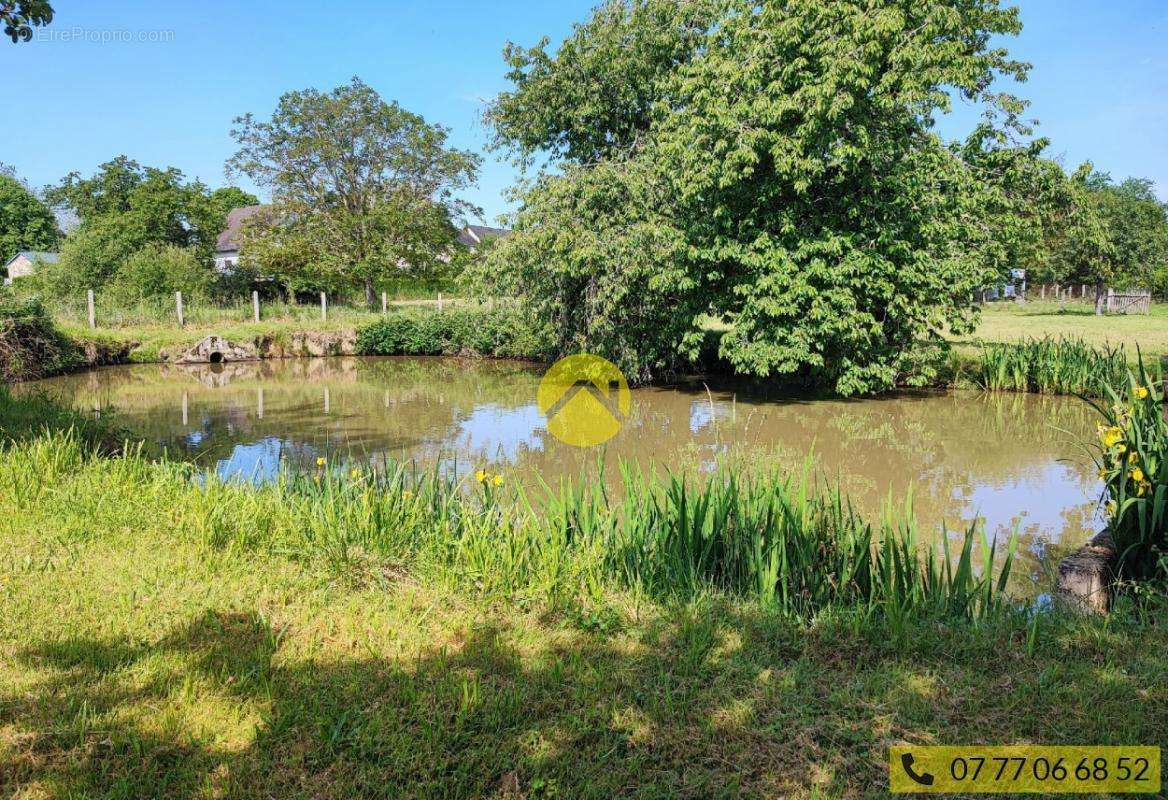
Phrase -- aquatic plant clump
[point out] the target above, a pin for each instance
(1054, 366)
(1132, 455)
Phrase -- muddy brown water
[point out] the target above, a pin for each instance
(1008, 460)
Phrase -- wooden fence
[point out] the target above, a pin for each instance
(1129, 302)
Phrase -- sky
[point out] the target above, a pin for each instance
(161, 82)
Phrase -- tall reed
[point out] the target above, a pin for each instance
(1053, 366)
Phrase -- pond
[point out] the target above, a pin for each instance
(1012, 460)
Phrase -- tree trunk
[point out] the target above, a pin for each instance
(1099, 296)
(370, 295)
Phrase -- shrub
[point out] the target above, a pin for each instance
(30, 345)
(158, 271)
(1132, 455)
(501, 333)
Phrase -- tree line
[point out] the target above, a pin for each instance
(363, 192)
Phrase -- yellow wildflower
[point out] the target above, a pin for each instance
(1142, 489)
(356, 473)
(1137, 475)
(480, 475)
(321, 461)
(1141, 392)
(1110, 508)
(1132, 457)
(1111, 436)
(497, 480)
(407, 494)
(1102, 474)
(1121, 448)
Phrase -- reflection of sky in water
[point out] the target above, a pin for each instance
(702, 414)
(1037, 497)
(500, 434)
(259, 461)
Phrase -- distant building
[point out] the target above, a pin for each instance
(227, 245)
(474, 235)
(25, 263)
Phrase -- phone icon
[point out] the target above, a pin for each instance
(906, 761)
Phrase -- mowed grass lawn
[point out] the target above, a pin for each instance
(141, 659)
(1009, 322)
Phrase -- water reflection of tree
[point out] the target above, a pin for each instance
(375, 406)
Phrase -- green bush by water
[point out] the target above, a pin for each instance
(504, 332)
(30, 344)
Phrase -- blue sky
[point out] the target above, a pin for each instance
(1099, 84)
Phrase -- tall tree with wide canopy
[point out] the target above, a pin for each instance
(770, 165)
(371, 185)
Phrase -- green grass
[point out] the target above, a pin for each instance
(1009, 322)
(389, 637)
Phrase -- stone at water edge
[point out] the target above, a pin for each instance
(1085, 576)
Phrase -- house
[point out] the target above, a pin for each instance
(474, 235)
(227, 245)
(25, 263)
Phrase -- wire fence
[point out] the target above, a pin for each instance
(97, 311)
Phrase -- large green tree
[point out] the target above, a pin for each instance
(25, 222)
(373, 187)
(772, 166)
(123, 208)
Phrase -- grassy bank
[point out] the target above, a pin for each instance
(341, 635)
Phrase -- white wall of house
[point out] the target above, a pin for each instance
(226, 260)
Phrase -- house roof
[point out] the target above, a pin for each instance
(36, 255)
(229, 239)
(472, 235)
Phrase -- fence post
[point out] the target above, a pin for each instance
(440, 301)
(384, 303)
(1110, 299)
(323, 307)
(89, 308)
(255, 305)
(1042, 292)
(178, 305)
